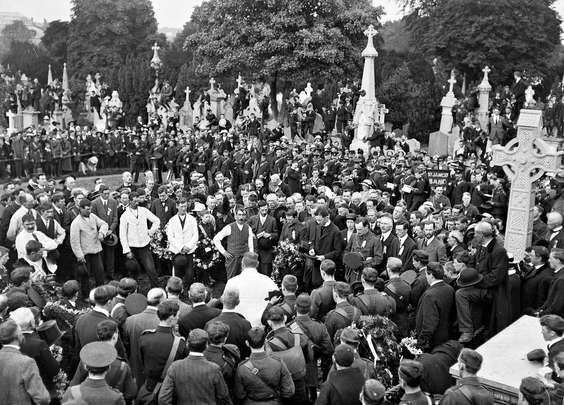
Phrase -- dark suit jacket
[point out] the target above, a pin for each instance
(110, 215)
(85, 328)
(37, 349)
(196, 319)
(163, 211)
(405, 253)
(553, 350)
(327, 242)
(238, 329)
(557, 241)
(436, 250)
(534, 287)
(265, 247)
(342, 388)
(194, 380)
(554, 303)
(435, 315)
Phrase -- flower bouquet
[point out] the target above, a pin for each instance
(381, 346)
(206, 256)
(288, 260)
(159, 245)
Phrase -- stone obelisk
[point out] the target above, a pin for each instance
(367, 106)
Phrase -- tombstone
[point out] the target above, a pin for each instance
(30, 117)
(228, 109)
(484, 99)
(505, 363)
(367, 106)
(186, 119)
(414, 145)
(11, 122)
(382, 111)
(524, 160)
(439, 140)
(197, 112)
(214, 98)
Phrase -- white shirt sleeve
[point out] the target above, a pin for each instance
(224, 233)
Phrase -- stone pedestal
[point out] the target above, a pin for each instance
(11, 122)
(58, 116)
(30, 117)
(505, 359)
(438, 143)
(484, 99)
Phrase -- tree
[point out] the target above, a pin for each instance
(16, 31)
(103, 33)
(55, 40)
(282, 41)
(33, 60)
(503, 34)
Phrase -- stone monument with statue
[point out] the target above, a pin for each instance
(442, 142)
(366, 114)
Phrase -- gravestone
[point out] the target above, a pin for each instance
(524, 160)
(186, 114)
(439, 140)
(30, 117)
(228, 109)
(484, 99)
(505, 359)
(366, 113)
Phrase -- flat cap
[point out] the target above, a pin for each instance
(98, 354)
(344, 355)
(373, 390)
(350, 335)
(410, 369)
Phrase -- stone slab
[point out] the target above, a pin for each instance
(438, 143)
(505, 361)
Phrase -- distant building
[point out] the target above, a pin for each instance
(7, 18)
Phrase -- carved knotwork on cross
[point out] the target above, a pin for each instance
(370, 32)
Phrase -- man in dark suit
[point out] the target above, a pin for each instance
(554, 303)
(156, 345)
(469, 210)
(496, 128)
(536, 280)
(194, 380)
(134, 327)
(85, 328)
(518, 91)
(326, 243)
(106, 209)
(555, 234)
(200, 314)
(238, 325)
(552, 327)
(163, 207)
(390, 242)
(492, 264)
(435, 310)
(36, 348)
(434, 247)
(322, 298)
(266, 231)
(407, 245)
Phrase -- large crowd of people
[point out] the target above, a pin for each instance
(239, 265)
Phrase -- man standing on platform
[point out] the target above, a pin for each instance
(106, 209)
(468, 389)
(182, 233)
(239, 241)
(135, 237)
(492, 263)
(554, 303)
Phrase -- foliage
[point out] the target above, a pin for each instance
(288, 260)
(55, 40)
(292, 40)
(411, 100)
(103, 33)
(33, 60)
(503, 34)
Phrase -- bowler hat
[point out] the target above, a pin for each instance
(469, 277)
(49, 331)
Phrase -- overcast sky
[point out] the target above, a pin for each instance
(169, 13)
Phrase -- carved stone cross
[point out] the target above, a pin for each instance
(187, 91)
(212, 82)
(370, 32)
(155, 47)
(486, 70)
(451, 82)
(524, 159)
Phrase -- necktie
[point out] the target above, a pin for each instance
(34, 236)
(105, 204)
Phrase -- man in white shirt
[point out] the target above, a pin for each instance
(253, 289)
(27, 202)
(135, 236)
(182, 233)
(30, 232)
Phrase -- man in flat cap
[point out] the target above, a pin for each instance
(97, 358)
(468, 389)
(410, 373)
(194, 380)
(345, 384)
